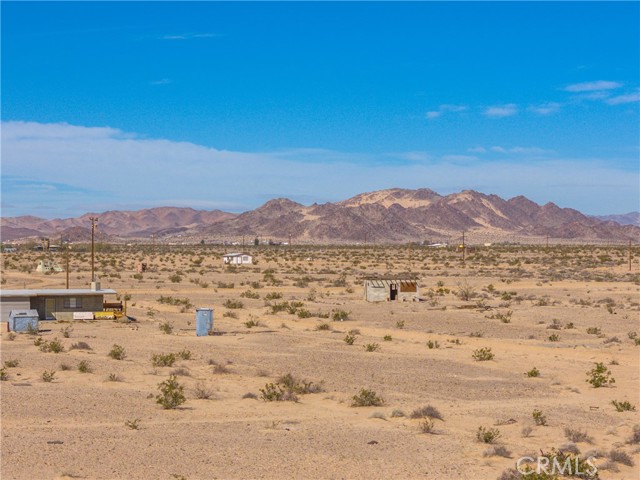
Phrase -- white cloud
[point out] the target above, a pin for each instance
(547, 108)
(477, 149)
(187, 36)
(154, 172)
(446, 108)
(593, 86)
(501, 111)
(620, 99)
(521, 150)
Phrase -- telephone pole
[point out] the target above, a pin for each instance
(67, 262)
(629, 255)
(94, 221)
(464, 248)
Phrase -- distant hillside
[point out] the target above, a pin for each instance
(397, 215)
(141, 223)
(631, 218)
(393, 215)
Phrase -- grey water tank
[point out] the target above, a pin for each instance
(23, 320)
(204, 321)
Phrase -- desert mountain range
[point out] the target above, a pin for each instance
(393, 215)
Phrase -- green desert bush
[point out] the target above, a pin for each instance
(534, 372)
(483, 354)
(488, 435)
(166, 328)
(340, 315)
(600, 376)
(171, 394)
(233, 304)
(117, 352)
(539, 418)
(163, 359)
(54, 346)
(371, 347)
(84, 367)
(624, 406)
(367, 398)
(349, 339)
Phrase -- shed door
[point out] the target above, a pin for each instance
(393, 291)
(49, 308)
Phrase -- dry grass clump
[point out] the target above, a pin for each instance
(577, 436)
(427, 411)
(497, 451)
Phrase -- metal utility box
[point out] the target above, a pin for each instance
(204, 321)
(23, 320)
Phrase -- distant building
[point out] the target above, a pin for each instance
(391, 289)
(237, 259)
(53, 304)
(48, 266)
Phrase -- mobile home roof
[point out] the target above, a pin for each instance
(55, 292)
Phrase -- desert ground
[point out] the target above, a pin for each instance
(493, 364)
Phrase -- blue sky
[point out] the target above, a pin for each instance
(123, 105)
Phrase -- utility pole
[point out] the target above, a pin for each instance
(629, 255)
(464, 248)
(94, 221)
(67, 262)
(547, 242)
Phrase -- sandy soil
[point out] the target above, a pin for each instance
(75, 426)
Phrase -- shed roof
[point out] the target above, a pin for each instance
(401, 276)
(236, 254)
(56, 292)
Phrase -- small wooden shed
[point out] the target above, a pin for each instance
(391, 289)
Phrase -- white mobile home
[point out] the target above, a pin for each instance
(237, 259)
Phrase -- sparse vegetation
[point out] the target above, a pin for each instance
(117, 352)
(483, 354)
(534, 372)
(577, 436)
(488, 435)
(171, 394)
(539, 418)
(600, 376)
(166, 328)
(84, 367)
(53, 346)
(367, 398)
(371, 347)
(163, 359)
(623, 406)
